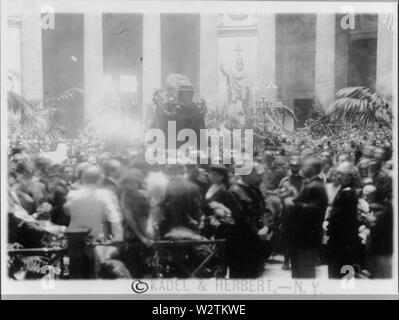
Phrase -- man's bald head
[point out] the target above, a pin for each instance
(345, 167)
(91, 175)
(344, 172)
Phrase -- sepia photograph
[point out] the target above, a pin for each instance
(198, 147)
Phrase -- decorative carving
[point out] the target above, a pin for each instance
(236, 17)
(231, 20)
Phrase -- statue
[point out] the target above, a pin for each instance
(237, 89)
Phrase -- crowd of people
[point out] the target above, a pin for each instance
(313, 202)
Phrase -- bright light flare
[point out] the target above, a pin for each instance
(114, 123)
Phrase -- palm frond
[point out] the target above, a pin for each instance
(67, 94)
(286, 110)
(18, 104)
(361, 105)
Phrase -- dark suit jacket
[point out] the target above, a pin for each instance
(251, 207)
(304, 220)
(343, 223)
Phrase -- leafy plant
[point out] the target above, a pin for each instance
(320, 123)
(282, 109)
(364, 107)
(38, 118)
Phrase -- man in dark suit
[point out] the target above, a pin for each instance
(304, 219)
(342, 227)
(252, 244)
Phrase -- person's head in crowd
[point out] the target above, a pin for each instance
(91, 176)
(375, 167)
(68, 172)
(42, 166)
(324, 140)
(112, 169)
(343, 157)
(218, 175)
(325, 158)
(140, 163)
(280, 162)
(81, 156)
(56, 169)
(379, 154)
(103, 157)
(19, 157)
(16, 150)
(295, 165)
(306, 152)
(24, 174)
(389, 165)
(345, 173)
(368, 151)
(268, 158)
(12, 166)
(54, 180)
(192, 171)
(311, 167)
(255, 178)
(363, 167)
(79, 170)
(369, 192)
(132, 180)
(334, 176)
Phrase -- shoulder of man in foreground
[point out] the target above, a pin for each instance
(239, 192)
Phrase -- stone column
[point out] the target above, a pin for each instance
(325, 59)
(267, 47)
(32, 59)
(151, 60)
(209, 68)
(93, 64)
(384, 54)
